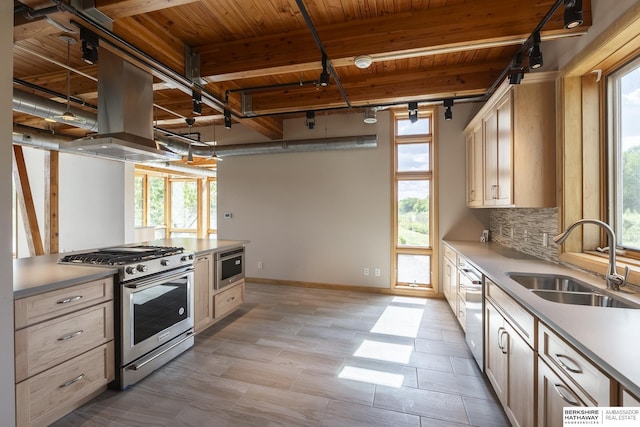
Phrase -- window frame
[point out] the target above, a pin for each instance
(582, 149)
(431, 176)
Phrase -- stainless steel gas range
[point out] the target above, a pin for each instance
(154, 306)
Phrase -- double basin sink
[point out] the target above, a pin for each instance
(568, 290)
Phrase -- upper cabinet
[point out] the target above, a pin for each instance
(511, 149)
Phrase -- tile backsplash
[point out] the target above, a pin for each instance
(526, 230)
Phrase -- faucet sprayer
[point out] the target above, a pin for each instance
(614, 280)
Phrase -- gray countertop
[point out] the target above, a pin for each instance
(35, 275)
(610, 337)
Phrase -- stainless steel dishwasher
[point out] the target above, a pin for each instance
(471, 284)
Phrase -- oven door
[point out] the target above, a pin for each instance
(155, 311)
(229, 267)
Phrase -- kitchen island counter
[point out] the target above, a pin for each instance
(608, 336)
(35, 275)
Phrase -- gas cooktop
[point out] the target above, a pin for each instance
(121, 255)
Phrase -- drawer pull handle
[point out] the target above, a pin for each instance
(73, 335)
(73, 381)
(501, 333)
(70, 299)
(572, 402)
(231, 299)
(566, 362)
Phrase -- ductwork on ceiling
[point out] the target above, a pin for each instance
(125, 123)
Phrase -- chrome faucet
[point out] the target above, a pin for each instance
(614, 280)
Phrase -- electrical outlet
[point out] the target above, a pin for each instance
(512, 232)
(377, 272)
(525, 235)
(259, 265)
(545, 239)
(366, 271)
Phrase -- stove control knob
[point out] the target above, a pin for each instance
(130, 270)
(186, 258)
(141, 268)
(165, 262)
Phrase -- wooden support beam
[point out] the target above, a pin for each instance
(52, 208)
(25, 202)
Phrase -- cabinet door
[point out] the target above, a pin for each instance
(520, 383)
(450, 284)
(490, 186)
(496, 350)
(503, 179)
(474, 168)
(203, 291)
(553, 395)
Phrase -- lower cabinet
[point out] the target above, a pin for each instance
(64, 353)
(509, 365)
(553, 395)
(211, 305)
(203, 289)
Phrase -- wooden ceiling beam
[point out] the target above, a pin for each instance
(386, 88)
(420, 33)
(123, 8)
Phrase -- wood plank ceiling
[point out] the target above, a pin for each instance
(422, 50)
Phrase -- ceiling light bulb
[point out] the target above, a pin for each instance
(363, 61)
(572, 14)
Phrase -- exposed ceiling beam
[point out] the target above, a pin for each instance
(123, 8)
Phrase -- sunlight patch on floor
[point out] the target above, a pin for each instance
(399, 321)
(409, 300)
(371, 376)
(388, 352)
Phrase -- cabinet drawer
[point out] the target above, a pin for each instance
(38, 308)
(627, 399)
(44, 398)
(228, 300)
(450, 253)
(47, 344)
(462, 313)
(572, 365)
(521, 319)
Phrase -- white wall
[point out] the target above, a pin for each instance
(313, 217)
(95, 201)
(7, 393)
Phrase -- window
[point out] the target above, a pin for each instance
(184, 208)
(213, 208)
(624, 125)
(413, 202)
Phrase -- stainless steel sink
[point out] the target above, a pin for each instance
(567, 290)
(550, 282)
(594, 299)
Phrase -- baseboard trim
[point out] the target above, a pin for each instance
(425, 293)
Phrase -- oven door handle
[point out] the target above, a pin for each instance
(137, 366)
(153, 281)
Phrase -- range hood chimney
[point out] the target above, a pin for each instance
(125, 115)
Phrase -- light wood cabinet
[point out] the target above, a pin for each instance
(553, 395)
(510, 365)
(211, 305)
(203, 291)
(474, 167)
(628, 399)
(64, 353)
(518, 133)
(450, 285)
(229, 299)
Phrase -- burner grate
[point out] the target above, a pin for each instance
(122, 255)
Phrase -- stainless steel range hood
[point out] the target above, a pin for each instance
(125, 115)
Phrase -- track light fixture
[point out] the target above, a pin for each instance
(535, 55)
(448, 114)
(196, 97)
(190, 121)
(413, 112)
(370, 115)
(572, 13)
(517, 73)
(324, 76)
(310, 121)
(89, 46)
(227, 119)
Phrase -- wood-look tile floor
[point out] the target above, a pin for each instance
(311, 357)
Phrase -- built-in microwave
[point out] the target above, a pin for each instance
(229, 267)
